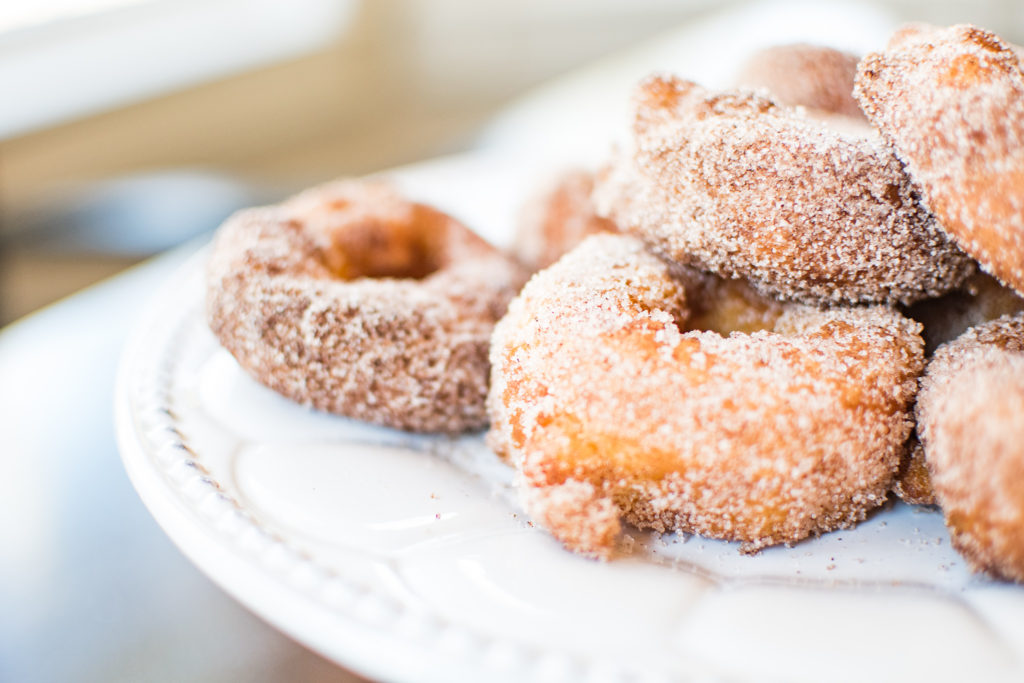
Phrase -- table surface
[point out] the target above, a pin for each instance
(90, 588)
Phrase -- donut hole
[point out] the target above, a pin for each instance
(727, 306)
(408, 246)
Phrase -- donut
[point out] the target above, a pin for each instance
(951, 103)
(558, 220)
(969, 419)
(735, 184)
(610, 410)
(352, 300)
(802, 75)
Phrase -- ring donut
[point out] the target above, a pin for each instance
(969, 418)
(610, 410)
(352, 300)
(951, 102)
(735, 184)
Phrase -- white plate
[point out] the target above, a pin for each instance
(406, 557)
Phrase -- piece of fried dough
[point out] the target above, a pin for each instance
(735, 184)
(913, 482)
(951, 101)
(981, 299)
(609, 409)
(354, 300)
(969, 416)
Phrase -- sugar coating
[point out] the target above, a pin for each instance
(735, 184)
(558, 220)
(354, 301)
(969, 416)
(762, 438)
(654, 292)
(951, 102)
(804, 75)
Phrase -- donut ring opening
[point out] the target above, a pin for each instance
(365, 230)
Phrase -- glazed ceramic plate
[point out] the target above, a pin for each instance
(407, 557)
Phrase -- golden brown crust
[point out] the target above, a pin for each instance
(762, 438)
(354, 301)
(969, 419)
(735, 184)
(803, 75)
(559, 220)
(951, 101)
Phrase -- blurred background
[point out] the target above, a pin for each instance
(131, 125)
(128, 127)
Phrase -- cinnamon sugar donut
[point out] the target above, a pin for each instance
(735, 184)
(801, 75)
(558, 220)
(951, 101)
(969, 418)
(610, 410)
(352, 300)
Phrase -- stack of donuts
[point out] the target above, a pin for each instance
(791, 260)
(778, 305)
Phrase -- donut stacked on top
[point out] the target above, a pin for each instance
(741, 186)
(743, 360)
